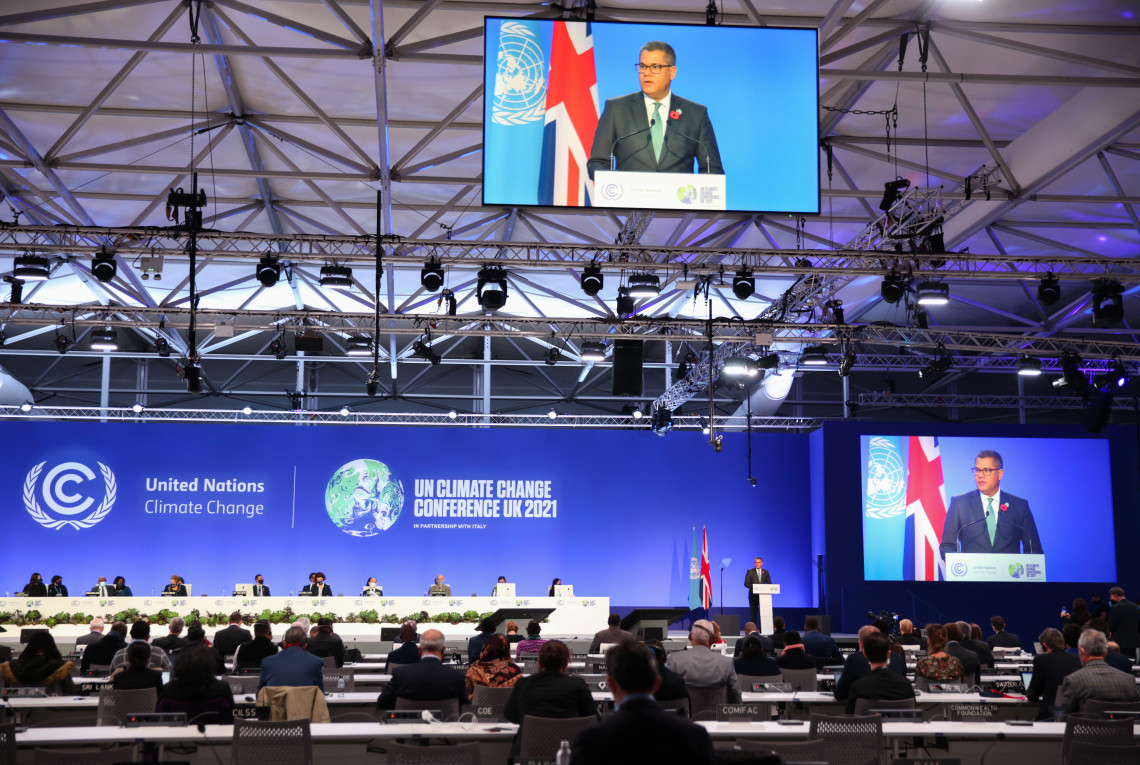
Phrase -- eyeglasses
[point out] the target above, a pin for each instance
(655, 68)
(984, 471)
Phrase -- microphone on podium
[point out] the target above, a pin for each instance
(613, 148)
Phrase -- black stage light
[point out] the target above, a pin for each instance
(1049, 290)
(935, 369)
(592, 280)
(770, 361)
(1117, 377)
(644, 285)
(892, 191)
(1072, 377)
(17, 295)
(933, 293)
(740, 366)
(278, 349)
(104, 266)
(1108, 303)
(424, 351)
(269, 270)
(104, 339)
(192, 374)
(162, 346)
(371, 384)
(743, 283)
(336, 276)
(893, 288)
(662, 420)
(593, 351)
(491, 288)
(358, 345)
(814, 355)
(625, 303)
(31, 268)
(62, 344)
(1029, 367)
(552, 356)
(846, 362)
(431, 275)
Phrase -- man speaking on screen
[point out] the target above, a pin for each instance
(655, 131)
(989, 520)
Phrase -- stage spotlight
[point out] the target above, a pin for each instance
(743, 283)
(358, 345)
(1117, 377)
(31, 268)
(344, 411)
(1029, 367)
(452, 414)
(424, 351)
(846, 362)
(836, 308)
(431, 275)
(278, 349)
(3, 338)
(893, 288)
(921, 318)
(935, 369)
(933, 293)
(491, 289)
(371, 384)
(592, 279)
(247, 410)
(62, 344)
(662, 420)
(552, 415)
(625, 303)
(103, 265)
(644, 285)
(1108, 302)
(1096, 408)
(1049, 290)
(740, 366)
(104, 340)
(892, 191)
(26, 406)
(137, 408)
(162, 346)
(269, 271)
(192, 374)
(552, 356)
(685, 365)
(592, 351)
(631, 410)
(814, 355)
(296, 400)
(1072, 377)
(769, 361)
(336, 276)
(17, 294)
(704, 422)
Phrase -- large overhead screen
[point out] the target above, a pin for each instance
(744, 101)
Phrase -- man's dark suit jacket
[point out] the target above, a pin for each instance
(1118, 661)
(226, 641)
(170, 643)
(1049, 671)
(260, 591)
(640, 731)
(407, 653)
(750, 579)
(549, 694)
(909, 639)
(89, 638)
(1122, 623)
(608, 635)
(765, 641)
(1003, 639)
(426, 680)
(857, 667)
(796, 659)
(102, 651)
(969, 659)
(756, 666)
(1015, 526)
(329, 644)
(672, 685)
(983, 650)
(679, 154)
(254, 652)
(292, 667)
(821, 646)
(880, 685)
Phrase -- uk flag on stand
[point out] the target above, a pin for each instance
(925, 512)
(571, 117)
(706, 571)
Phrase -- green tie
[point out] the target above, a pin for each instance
(991, 518)
(657, 131)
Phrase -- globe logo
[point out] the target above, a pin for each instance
(886, 480)
(520, 79)
(1016, 570)
(686, 195)
(363, 498)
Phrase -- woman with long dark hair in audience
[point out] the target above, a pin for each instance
(938, 665)
(40, 664)
(137, 674)
(195, 690)
(754, 660)
(494, 667)
(1079, 615)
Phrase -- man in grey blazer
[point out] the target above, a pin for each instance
(1096, 680)
(703, 668)
(655, 130)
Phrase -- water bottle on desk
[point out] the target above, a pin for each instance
(563, 756)
(340, 688)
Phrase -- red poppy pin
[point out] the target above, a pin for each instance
(675, 114)
(1003, 507)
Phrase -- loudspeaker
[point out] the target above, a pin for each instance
(627, 360)
(729, 623)
(824, 623)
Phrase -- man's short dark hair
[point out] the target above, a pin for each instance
(1071, 633)
(997, 622)
(632, 666)
(140, 630)
(989, 454)
(553, 656)
(296, 636)
(120, 627)
(235, 617)
(325, 625)
(1118, 591)
(811, 623)
(664, 47)
(1052, 638)
(614, 620)
(1099, 623)
(953, 631)
(778, 624)
(791, 637)
(876, 647)
(138, 655)
(261, 629)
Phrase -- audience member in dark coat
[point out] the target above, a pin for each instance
(906, 633)
(426, 680)
(102, 651)
(409, 650)
(226, 641)
(765, 641)
(193, 689)
(475, 644)
(971, 664)
(673, 686)
(1001, 638)
(639, 730)
(856, 666)
(1049, 671)
(138, 674)
(1124, 622)
(327, 643)
(251, 654)
(794, 656)
(753, 660)
(816, 643)
(980, 648)
(550, 692)
(173, 641)
(294, 666)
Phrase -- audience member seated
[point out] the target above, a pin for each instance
(35, 588)
(1001, 638)
(513, 635)
(777, 635)
(1071, 633)
(137, 674)
(672, 686)
(938, 665)
(881, 684)
(639, 730)
(753, 659)
(794, 656)
(140, 633)
(426, 680)
(816, 644)
(327, 643)
(856, 666)
(979, 647)
(1050, 668)
(494, 667)
(533, 642)
(475, 645)
(40, 663)
(409, 650)
(195, 690)
(196, 635)
(703, 668)
(251, 654)
(227, 640)
(906, 633)
(1078, 615)
(1114, 658)
(174, 641)
(121, 590)
(95, 634)
(611, 634)
(103, 650)
(1095, 680)
(293, 666)
(971, 665)
(550, 692)
(750, 628)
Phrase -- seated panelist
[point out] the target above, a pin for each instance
(176, 588)
(372, 589)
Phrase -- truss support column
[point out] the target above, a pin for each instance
(142, 381)
(1021, 396)
(485, 382)
(105, 387)
(846, 396)
(300, 386)
(668, 364)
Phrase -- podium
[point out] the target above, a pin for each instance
(994, 567)
(765, 591)
(668, 191)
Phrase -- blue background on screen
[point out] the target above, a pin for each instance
(627, 502)
(759, 85)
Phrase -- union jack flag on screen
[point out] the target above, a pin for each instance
(925, 512)
(571, 117)
(706, 571)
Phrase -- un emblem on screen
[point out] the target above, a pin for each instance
(363, 498)
(520, 79)
(886, 480)
(69, 490)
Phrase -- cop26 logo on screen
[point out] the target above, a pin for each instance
(70, 491)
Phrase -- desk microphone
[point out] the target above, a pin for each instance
(613, 149)
(958, 538)
(1028, 541)
(708, 161)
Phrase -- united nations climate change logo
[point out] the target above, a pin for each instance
(959, 568)
(69, 489)
(520, 81)
(686, 195)
(363, 498)
(1016, 570)
(886, 480)
(611, 191)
